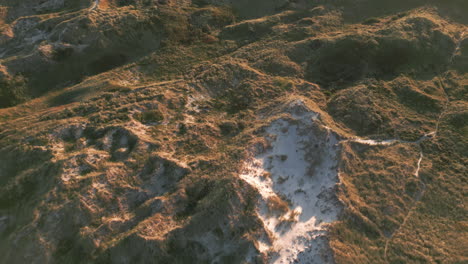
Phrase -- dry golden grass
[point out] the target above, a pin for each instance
(229, 77)
(277, 205)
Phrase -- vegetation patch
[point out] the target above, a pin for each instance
(149, 117)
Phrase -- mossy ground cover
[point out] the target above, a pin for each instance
(186, 113)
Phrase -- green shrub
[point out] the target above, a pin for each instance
(12, 91)
(370, 21)
(151, 116)
(284, 83)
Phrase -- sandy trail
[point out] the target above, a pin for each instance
(301, 168)
(430, 135)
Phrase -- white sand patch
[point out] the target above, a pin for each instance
(300, 168)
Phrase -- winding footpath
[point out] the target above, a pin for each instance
(429, 136)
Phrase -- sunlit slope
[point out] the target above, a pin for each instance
(178, 132)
